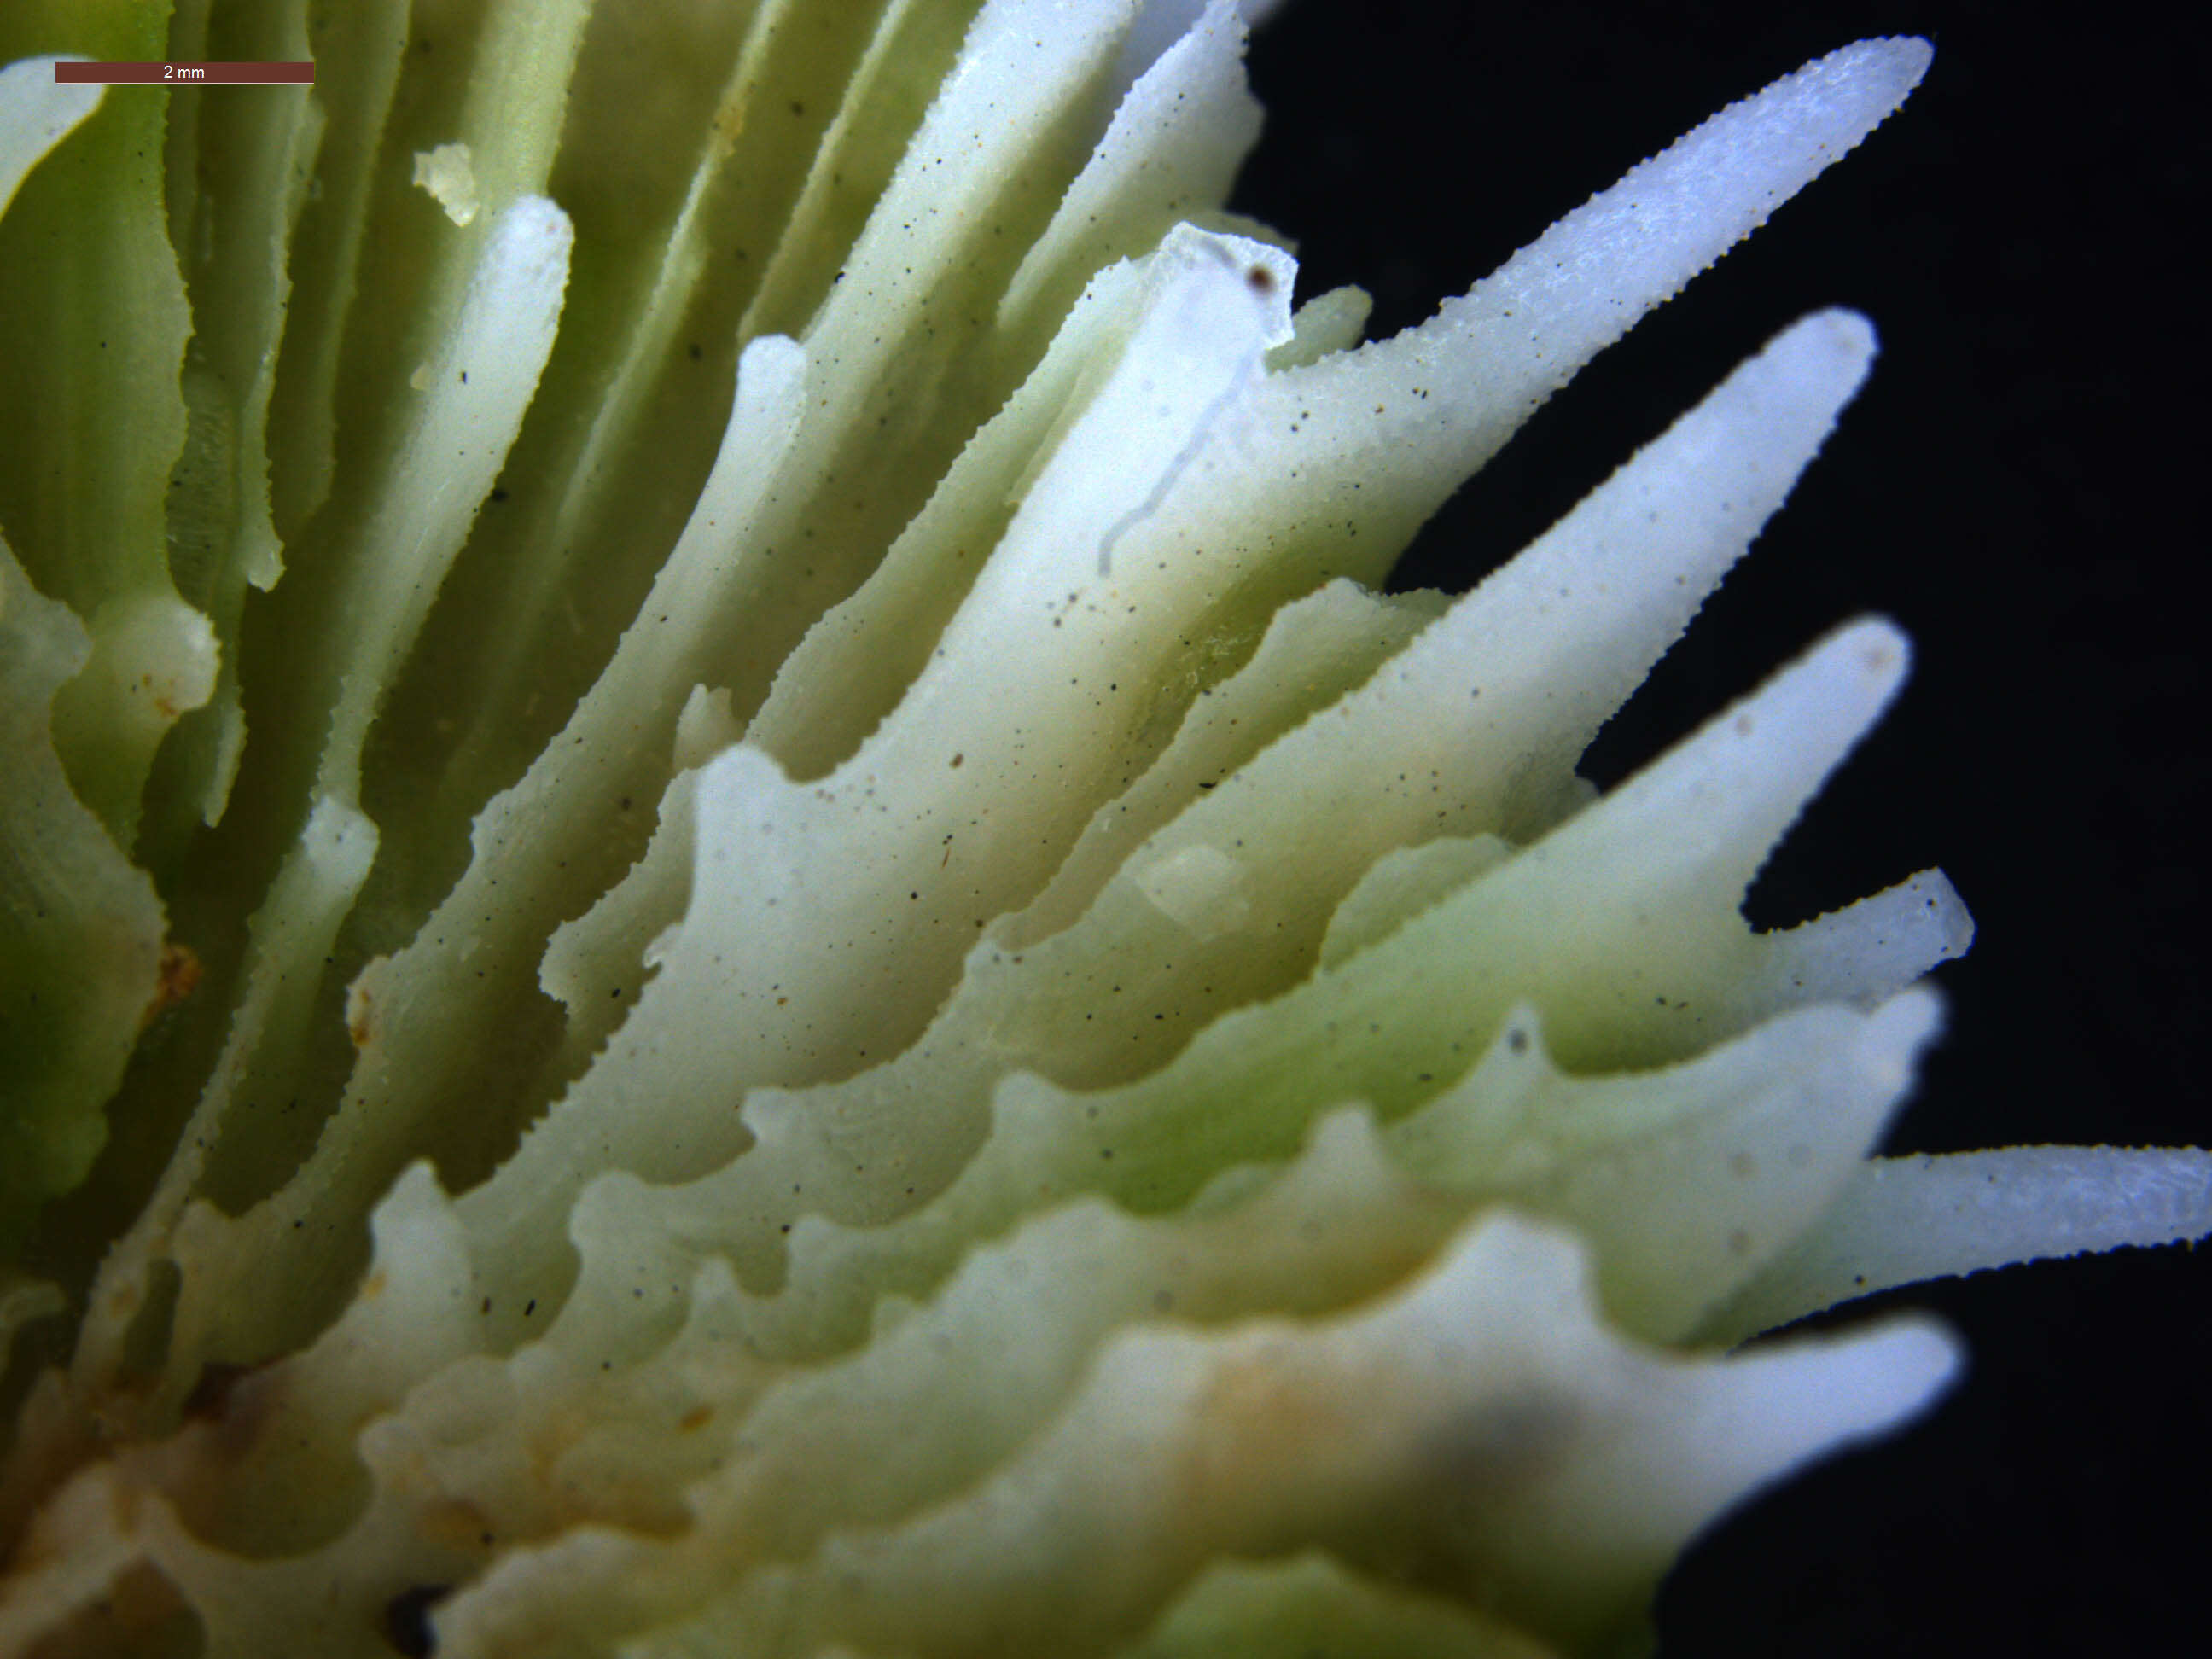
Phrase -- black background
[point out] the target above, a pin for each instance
(2018, 488)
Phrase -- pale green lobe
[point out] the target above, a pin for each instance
(1229, 900)
(446, 989)
(1482, 1390)
(266, 1059)
(472, 394)
(368, 36)
(79, 929)
(239, 174)
(1901, 1220)
(472, 400)
(92, 336)
(37, 110)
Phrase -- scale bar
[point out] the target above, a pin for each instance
(187, 74)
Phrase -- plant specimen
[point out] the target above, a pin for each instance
(734, 924)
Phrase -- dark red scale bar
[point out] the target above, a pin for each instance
(188, 75)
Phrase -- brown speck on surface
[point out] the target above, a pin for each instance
(176, 978)
(360, 1008)
(456, 1524)
(237, 1404)
(1257, 1412)
(210, 1396)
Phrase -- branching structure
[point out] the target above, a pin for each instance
(731, 924)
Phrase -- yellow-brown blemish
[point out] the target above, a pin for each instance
(176, 976)
(456, 1524)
